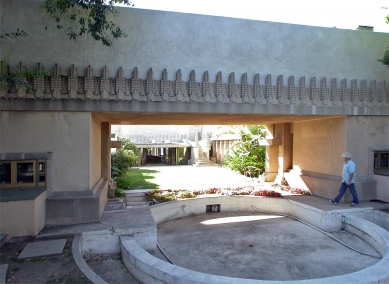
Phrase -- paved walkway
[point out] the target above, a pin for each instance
(260, 248)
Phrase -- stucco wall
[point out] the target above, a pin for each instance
(95, 151)
(188, 42)
(65, 134)
(319, 144)
(365, 135)
(23, 218)
(364, 132)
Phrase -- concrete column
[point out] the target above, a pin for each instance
(217, 151)
(176, 156)
(106, 150)
(280, 155)
(139, 157)
(271, 155)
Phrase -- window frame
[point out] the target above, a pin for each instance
(377, 169)
(36, 173)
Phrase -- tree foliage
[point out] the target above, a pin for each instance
(81, 17)
(246, 156)
(125, 158)
(385, 59)
(20, 78)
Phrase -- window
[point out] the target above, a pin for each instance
(381, 162)
(25, 173)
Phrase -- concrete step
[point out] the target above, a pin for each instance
(137, 206)
(135, 194)
(135, 198)
(137, 203)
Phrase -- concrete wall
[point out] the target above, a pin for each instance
(318, 146)
(64, 134)
(364, 132)
(95, 151)
(23, 218)
(188, 42)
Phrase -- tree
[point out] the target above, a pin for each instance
(385, 59)
(125, 158)
(86, 17)
(246, 156)
(18, 79)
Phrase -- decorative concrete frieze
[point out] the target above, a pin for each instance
(355, 93)
(194, 88)
(314, 92)
(335, 94)
(364, 93)
(207, 89)
(234, 90)
(73, 82)
(90, 87)
(281, 90)
(292, 91)
(39, 82)
(246, 90)
(21, 88)
(324, 96)
(137, 87)
(89, 84)
(152, 88)
(259, 95)
(221, 89)
(120, 85)
(180, 88)
(304, 94)
(55, 83)
(344, 93)
(104, 84)
(373, 94)
(166, 88)
(270, 91)
(383, 94)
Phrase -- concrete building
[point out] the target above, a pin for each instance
(320, 92)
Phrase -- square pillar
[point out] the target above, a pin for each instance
(106, 150)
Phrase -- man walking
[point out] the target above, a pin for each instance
(348, 179)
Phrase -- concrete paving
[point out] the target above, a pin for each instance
(42, 248)
(260, 246)
(248, 245)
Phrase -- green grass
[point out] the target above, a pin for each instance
(137, 179)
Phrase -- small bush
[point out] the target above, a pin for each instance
(122, 160)
(119, 192)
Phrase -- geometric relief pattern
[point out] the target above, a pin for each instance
(68, 84)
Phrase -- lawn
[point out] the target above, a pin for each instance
(137, 178)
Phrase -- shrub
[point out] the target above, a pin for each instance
(122, 160)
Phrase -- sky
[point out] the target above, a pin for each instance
(342, 14)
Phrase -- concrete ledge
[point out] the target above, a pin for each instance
(3, 273)
(77, 209)
(77, 255)
(149, 269)
(381, 218)
(325, 220)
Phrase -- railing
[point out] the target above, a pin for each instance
(57, 86)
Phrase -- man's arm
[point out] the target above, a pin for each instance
(350, 178)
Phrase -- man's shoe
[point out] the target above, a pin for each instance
(354, 204)
(333, 202)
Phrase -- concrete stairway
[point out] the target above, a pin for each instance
(136, 200)
(115, 204)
